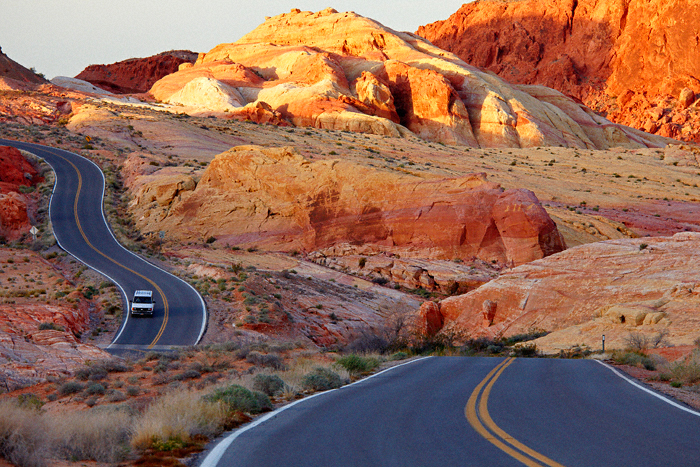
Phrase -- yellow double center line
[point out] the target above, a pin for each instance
(477, 414)
(80, 228)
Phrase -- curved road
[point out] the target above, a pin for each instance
(80, 228)
(456, 411)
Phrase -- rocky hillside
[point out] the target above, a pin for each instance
(16, 74)
(136, 75)
(346, 72)
(633, 60)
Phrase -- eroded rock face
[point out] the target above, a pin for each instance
(346, 72)
(613, 288)
(30, 355)
(594, 50)
(273, 198)
(136, 75)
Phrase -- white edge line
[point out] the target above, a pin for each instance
(215, 455)
(647, 390)
(204, 309)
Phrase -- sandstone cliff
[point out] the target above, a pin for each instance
(635, 51)
(346, 72)
(135, 75)
(276, 199)
(613, 288)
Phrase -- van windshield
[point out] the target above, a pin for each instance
(142, 300)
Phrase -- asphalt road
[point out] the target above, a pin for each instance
(80, 228)
(453, 411)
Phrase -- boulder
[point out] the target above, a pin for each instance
(686, 98)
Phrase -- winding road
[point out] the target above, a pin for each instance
(457, 411)
(77, 217)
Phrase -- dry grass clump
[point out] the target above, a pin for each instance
(23, 435)
(178, 417)
(683, 373)
(100, 434)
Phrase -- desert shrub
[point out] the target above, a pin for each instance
(528, 336)
(686, 372)
(322, 379)
(526, 350)
(637, 342)
(50, 326)
(97, 374)
(96, 388)
(239, 399)
(633, 359)
(29, 401)
(113, 366)
(116, 396)
(23, 440)
(70, 387)
(265, 360)
(133, 391)
(187, 374)
(369, 341)
(357, 365)
(398, 356)
(268, 384)
(179, 415)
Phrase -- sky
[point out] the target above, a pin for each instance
(62, 37)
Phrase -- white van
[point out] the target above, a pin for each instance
(143, 303)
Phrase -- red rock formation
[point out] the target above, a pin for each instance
(136, 75)
(588, 49)
(14, 71)
(276, 199)
(15, 171)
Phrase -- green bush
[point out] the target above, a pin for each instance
(239, 399)
(268, 384)
(357, 365)
(321, 379)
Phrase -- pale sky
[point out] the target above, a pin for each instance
(61, 37)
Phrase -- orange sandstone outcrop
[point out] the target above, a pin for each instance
(346, 72)
(273, 198)
(594, 50)
(136, 75)
(615, 287)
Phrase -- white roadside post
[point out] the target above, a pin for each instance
(34, 231)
